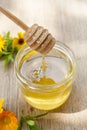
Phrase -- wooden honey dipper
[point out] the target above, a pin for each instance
(36, 36)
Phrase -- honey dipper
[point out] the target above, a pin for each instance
(36, 36)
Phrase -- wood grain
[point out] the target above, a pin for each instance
(67, 21)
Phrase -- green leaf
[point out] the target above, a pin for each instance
(7, 60)
(5, 53)
(20, 125)
(15, 49)
(8, 42)
(7, 34)
(30, 122)
(34, 128)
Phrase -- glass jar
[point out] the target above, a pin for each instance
(59, 73)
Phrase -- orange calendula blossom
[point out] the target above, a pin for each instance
(8, 121)
(19, 41)
(2, 43)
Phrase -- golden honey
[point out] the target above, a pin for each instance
(45, 81)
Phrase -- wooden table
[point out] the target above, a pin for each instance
(67, 21)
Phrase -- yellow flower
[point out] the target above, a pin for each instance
(1, 104)
(19, 41)
(2, 43)
(8, 121)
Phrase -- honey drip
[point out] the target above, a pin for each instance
(44, 80)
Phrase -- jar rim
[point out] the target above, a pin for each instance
(60, 46)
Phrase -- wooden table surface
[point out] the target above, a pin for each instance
(67, 21)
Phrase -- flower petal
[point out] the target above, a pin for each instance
(1, 104)
(2, 42)
(20, 35)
